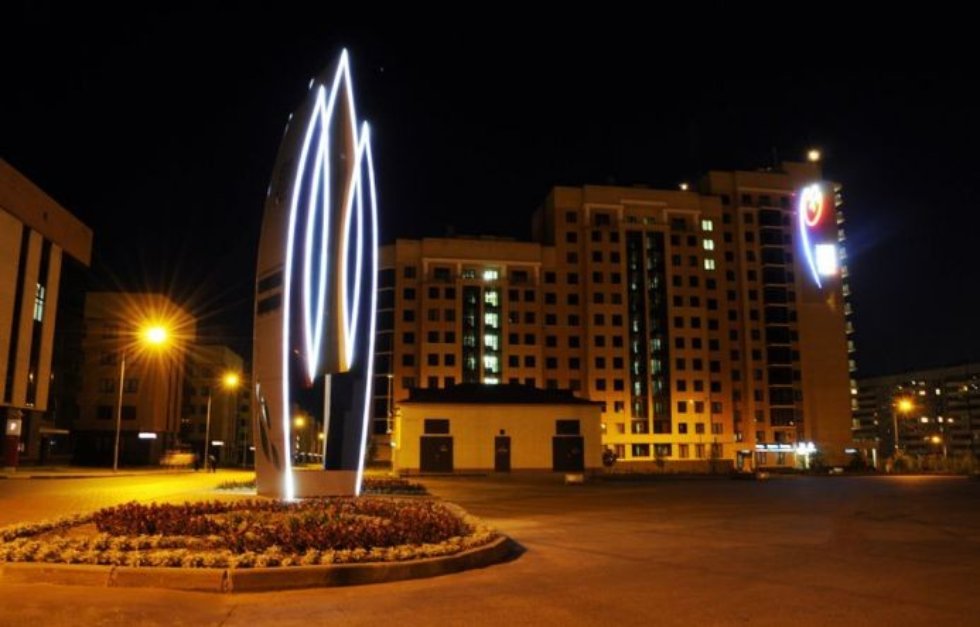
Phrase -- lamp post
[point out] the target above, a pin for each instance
(904, 405)
(391, 384)
(229, 381)
(154, 336)
(299, 423)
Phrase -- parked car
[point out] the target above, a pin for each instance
(177, 458)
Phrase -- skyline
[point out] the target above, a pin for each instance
(473, 140)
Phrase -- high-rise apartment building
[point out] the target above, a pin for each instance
(711, 324)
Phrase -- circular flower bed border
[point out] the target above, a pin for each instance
(193, 562)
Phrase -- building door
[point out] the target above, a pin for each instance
(568, 453)
(436, 454)
(501, 453)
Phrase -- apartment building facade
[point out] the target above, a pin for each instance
(711, 325)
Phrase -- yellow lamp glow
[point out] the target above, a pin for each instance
(156, 335)
(231, 380)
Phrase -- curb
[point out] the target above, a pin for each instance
(26, 477)
(230, 580)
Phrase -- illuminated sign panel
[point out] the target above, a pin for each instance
(818, 232)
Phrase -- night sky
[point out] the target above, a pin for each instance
(159, 130)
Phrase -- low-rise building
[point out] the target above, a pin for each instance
(483, 428)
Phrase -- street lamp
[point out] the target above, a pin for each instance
(229, 381)
(154, 336)
(299, 421)
(905, 406)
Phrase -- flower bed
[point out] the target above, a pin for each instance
(251, 533)
(371, 485)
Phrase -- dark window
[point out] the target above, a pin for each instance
(273, 281)
(436, 426)
(567, 427)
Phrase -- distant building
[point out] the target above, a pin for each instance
(42, 248)
(207, 367)
(116, 324)
(935, 411)
(709, 324)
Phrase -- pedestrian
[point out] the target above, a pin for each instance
(212, 463)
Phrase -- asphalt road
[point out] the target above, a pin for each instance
(790, 551)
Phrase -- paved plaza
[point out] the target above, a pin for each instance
(789, 551)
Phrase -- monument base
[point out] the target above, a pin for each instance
(310, 483)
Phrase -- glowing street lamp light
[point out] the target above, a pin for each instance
(155, 336)
(813, 155)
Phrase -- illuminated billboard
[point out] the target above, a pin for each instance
(818, 231)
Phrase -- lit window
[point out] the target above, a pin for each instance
(709, 244)
(39, 303)
(707, 225)
(490, 274)
(709, 264)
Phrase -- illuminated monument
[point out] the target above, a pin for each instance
(315, 296)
